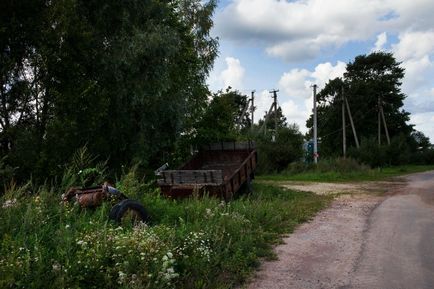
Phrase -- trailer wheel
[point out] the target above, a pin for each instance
(228, 196)
(114, 212)
(246, 188)
(129, 211)
(249, 186)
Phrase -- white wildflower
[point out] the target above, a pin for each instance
(56, 267)
(9, 203)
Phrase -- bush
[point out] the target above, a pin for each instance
(341, 165)
(338, 165)
(276, 156)
(397, 153)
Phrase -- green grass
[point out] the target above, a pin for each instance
(350, 176)
(192, 243)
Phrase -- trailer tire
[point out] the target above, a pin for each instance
(129, 208)
(246, 188)
(114, 212)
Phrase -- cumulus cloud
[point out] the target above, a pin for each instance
(297, 85)
(381, 41)
(326, 71)
(298, 82)
(295, 111)
(263, 102)
(414, 45)
(415, 50)
(233, 74)
(301, 29)
(423, 122)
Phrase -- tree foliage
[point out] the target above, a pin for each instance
(368, 80)
(124, 78)
(276, 153)
(223, 119)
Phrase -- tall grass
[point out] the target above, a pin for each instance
(191, 243)
(342, 170)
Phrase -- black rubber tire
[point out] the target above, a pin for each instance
(246, 188)
(120, 209)
(114, 212)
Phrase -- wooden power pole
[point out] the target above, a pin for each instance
(356, 139)
(315, 127)
(252, 108)
(353, 128)
(273, 107)
(382, 118)
(344, 130)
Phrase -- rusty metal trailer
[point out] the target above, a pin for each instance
(220, 169)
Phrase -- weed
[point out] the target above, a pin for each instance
(192, 243)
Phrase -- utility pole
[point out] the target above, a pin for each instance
(381, 117)
(344, 131)
(252, 108)
(274, 92)
(379, 122)
(315, 128)
(274, 107)
(385, 125)
(356, 139)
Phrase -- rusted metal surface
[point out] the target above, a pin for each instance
(92, 196)
(218, 170)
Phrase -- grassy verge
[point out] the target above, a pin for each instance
(349, 176)
(193, 243)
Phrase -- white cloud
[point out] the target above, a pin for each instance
(297, 85)
(296, 82)
(296, 113)
(416, 73)
(294, 51)
(301, 29)
(415, 50)
(263, 102)
(326, 71)
(233, 74)
(423, 123)
(381, 41)
(297, 30)
(414, 45)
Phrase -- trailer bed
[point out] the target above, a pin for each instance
(219, 169)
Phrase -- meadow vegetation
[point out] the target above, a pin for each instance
(341, 170)
(191, 243)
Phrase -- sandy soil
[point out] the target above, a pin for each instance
(312, 256)
(357, 242)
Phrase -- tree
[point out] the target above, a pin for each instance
(123, 78)
(421, 141)
(221, 120)
(270, 119)
(368, 80)
(275, 154)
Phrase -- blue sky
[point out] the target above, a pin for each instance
(289, 45)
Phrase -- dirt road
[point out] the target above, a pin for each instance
(363, 240)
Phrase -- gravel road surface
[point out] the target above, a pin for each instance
(363, 240)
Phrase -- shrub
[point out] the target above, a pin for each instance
(276, 156)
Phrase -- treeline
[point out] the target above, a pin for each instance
(126, 79)
(372, 87)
